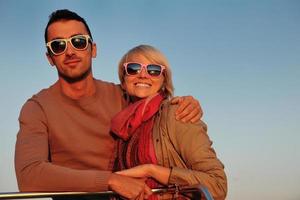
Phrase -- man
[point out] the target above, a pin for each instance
(63, 143)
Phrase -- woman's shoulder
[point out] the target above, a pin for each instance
(168, 115)
(167, 107)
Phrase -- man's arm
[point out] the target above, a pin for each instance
(36, 172)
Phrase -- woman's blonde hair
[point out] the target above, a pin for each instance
(154, 56)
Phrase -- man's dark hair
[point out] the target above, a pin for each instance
(65, 14)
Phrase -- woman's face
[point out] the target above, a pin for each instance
(142, 85)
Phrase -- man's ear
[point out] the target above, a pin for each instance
(94, 50)
(49, 59)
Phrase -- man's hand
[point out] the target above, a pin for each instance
(130, 188)
(189, 109)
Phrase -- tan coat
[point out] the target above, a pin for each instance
(186, 148)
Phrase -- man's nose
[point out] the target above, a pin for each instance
(69, 49)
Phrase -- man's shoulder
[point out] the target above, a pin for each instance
(45, 93)
(35, 103)
(44, 97)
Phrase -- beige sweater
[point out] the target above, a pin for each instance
(64, 144)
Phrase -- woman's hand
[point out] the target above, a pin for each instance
(159, 173)
(141, 171)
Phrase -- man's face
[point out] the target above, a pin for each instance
(73, 64)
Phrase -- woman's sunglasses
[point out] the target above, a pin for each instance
(78, 42)
(133, 68)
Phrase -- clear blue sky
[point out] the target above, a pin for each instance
(241, 59)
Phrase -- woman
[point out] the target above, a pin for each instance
(151, 143)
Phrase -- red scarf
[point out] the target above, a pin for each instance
(133, 126)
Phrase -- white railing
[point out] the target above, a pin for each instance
(192, 192)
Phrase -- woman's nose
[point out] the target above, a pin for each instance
(143, 72)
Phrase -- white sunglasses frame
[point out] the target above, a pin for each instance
(69, 40)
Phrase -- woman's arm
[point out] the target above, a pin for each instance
(159, 173)
(194, 146)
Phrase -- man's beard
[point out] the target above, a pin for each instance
(76, 78)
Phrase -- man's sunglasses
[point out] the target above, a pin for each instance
(78, 42)
(133, 68)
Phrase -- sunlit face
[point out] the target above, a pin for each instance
(72, 64)
(142, 85)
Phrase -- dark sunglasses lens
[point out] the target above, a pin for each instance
(154, 70)
(79, 42)
(58, 46)
(133, 68)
